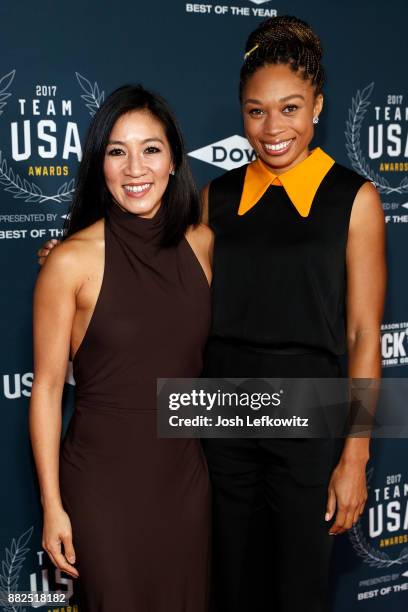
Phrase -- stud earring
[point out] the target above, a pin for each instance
(315, 120)
(172, 172)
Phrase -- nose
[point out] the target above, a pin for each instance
(135, 166)
(274, 123)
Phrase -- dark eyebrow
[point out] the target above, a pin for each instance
(291, 96)
(252, 101)
(285, 99)
(152, 140)
(119, 142)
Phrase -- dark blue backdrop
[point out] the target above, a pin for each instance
(57, 62)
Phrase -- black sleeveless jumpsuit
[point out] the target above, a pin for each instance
(139, 505)
(278, 300)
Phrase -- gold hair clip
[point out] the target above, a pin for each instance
(248, 53)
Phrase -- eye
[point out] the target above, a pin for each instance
(290, 108)
(115, 152)
(255, 112)
(152, 149)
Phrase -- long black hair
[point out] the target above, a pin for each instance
(181, 203)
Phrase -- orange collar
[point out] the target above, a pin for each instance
(300, 182)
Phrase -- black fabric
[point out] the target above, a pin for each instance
(269, 498)
(279, 278)
(269, 532)
(278, 300)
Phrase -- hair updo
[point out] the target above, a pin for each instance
(284, 40)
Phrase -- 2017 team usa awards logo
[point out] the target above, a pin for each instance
(41, 146)
(380, 537)
(386, 138)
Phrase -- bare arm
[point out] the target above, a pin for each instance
(204, 204)
(366, 267)
(54, 310)
(366, 281)
(201, 240)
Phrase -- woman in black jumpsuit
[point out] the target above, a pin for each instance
(291, 261)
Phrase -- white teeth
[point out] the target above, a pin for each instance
(279, 146)
(137, 188)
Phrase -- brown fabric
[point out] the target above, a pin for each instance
(139, 505)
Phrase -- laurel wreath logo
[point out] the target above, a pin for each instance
(11, 567)
(26, 190)
(93, 97)
(5, 83)
(371, 555)
(359, 106)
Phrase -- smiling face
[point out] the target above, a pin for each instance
(137, 163)
(278, 108)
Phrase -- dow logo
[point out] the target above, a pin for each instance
(228, 154)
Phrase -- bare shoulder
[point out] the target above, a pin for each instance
(201, 231)
(80, 243)
(367, 208)
(201, 240)
(91, 234)
(201, 235)
(73, 256)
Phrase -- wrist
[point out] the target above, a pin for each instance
(356, 451)
(51, 504)
(357, 462)
(360, 458)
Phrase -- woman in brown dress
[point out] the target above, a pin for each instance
(127, 295)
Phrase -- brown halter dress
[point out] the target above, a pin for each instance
(138, 504)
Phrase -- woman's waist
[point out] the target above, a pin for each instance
(236, 359)
(267, 348)
(129, 400)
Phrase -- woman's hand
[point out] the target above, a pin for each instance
(57, 529)
(348, 494)
(46, 249)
